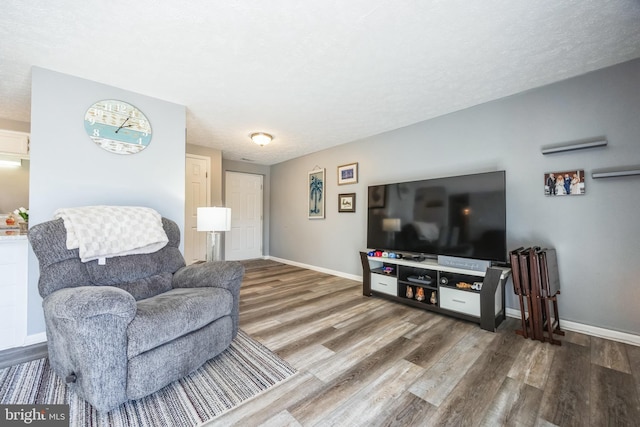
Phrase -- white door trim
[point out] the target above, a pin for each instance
(246, 238)
(187, 232)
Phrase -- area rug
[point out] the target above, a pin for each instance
(242, 371)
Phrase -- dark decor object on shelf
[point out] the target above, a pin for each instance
(434, 298)
(409, 293)
(422, 279)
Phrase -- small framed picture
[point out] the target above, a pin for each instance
(564, 183)
(348, 174)
(347, 202)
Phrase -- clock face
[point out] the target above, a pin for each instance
(117, 126)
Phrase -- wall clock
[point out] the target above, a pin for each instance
(117, 126)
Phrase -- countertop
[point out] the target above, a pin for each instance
(11, 234)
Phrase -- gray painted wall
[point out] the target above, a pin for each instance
(596, 235)
(68, 169)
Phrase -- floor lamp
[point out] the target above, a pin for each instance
(214, 220)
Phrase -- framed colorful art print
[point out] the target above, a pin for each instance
(348, 174)
(316, 196)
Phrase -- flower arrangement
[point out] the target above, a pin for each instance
(23, 213)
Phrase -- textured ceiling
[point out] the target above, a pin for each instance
(314, 74)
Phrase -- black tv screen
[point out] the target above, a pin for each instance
(462, 216)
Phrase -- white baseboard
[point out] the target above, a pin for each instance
(319, 269)
(594, 331)
(511, 312)
(35, 339)
(568, 325)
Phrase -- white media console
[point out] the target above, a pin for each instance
(390, 277)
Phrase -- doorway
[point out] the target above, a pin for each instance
(243, 194)
(197, 194)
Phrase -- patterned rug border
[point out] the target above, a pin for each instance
(242, 372)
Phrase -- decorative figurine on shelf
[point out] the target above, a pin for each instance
(409, 292)
(433, 300)
(463, 285)
(420, 294)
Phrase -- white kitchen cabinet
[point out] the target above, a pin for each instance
(14, 143)
(13, 291)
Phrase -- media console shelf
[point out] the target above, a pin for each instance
(390, 277)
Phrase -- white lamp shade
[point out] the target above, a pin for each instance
(214, 219)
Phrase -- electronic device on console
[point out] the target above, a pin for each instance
(421, 279)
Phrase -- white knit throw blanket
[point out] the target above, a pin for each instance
(101, 232)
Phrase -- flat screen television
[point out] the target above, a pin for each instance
(462, 216)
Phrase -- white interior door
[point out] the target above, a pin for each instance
(197, 194)
(243, 194)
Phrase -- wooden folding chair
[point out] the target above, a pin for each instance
(535, 291)
(517, 289)
(550, 289)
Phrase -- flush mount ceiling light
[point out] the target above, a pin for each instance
(261, 138)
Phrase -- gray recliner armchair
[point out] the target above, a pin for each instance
(123, 330)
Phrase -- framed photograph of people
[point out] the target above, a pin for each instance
(348, 174)
(316, 187)
(347, 202)
(564, 183)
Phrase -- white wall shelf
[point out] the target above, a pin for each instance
(575, 145)
(616, 172)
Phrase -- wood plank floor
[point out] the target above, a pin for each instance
(371, 362)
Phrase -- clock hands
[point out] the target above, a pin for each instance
(123, 126)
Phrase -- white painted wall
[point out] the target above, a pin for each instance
(597, 235)
(68, 169)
